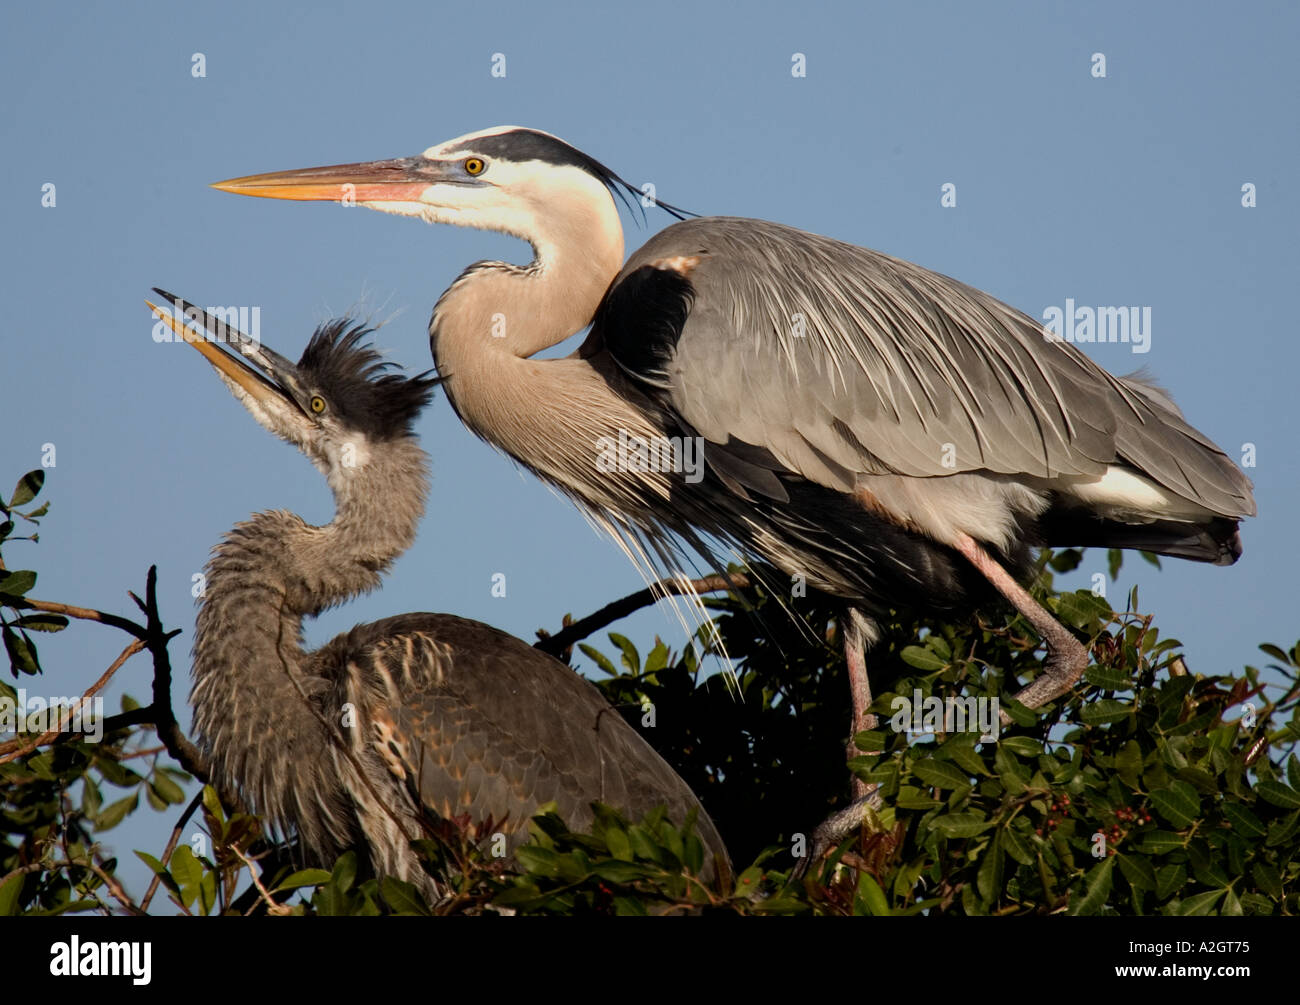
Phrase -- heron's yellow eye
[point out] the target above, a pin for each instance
(317, 404)
(474, 166)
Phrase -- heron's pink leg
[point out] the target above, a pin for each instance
(1066, 657)
(860, 689)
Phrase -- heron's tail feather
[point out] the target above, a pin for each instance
(1216, 541)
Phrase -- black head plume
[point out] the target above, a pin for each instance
(356, 381)
(530, 144)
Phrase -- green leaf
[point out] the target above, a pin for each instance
(1137, 871)
(1025, 746)
(1098, 889)
(1105, 710)
(658, 658)
(542, 861)
(114, 813)
(1081, 608)
(871, 897)
(1114, 560)
(1013, 777)
(1128, 763)
(961, 749)
(618, 843)
(22, 657)
(17, 582)
(345, 872)
(1160, 842)
(1109, 678)
(166, 790)
(1282, 830)
(301, 878)
(940, 774)
(42, 622)
(622, 872)
(161, 872)
(212, 803)
(921, 658)
(1200, 904)
(1266, 877)
(1017, 845)
(1278, 794)
(1169, 880)
(1276, 653)
(1066, 560)
(599, 658)
(402, 897)
(989, 877)
(1179, 804)
(1243, 821)
(955, 825)
(631, 658)
(10, 892)
(188, 872)
(208, 891)
(27, 487)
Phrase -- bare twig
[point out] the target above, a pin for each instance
(159, 712)
(579, 630)
(84, 613)
(171, 847)
(115, 888)
(11, 750)
(271, 906)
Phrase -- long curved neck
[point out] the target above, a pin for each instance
(519, 311)
(549, 414)
(250, 670)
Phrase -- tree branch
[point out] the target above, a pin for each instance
(171, 847)
(158, 712)
(564, 639)
(11, 750)
(84, 613)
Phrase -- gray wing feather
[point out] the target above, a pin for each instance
(842, 361)
(489, 726)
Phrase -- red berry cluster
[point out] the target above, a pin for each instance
(1061, 806)
(1128, 816)
(1140, 816)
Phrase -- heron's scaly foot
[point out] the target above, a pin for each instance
(839, 825)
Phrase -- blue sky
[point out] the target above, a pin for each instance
(1122, 190)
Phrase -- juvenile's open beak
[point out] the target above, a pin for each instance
(261, 372)
(399, 180)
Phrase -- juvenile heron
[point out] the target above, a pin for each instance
(350, 744)
(894, 437)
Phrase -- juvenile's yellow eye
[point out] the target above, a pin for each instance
(474, 166)
(317, 404)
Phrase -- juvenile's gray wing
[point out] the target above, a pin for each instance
(485, 725)
(838, 361)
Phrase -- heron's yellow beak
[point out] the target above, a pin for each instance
(226, 364)
(399, 180)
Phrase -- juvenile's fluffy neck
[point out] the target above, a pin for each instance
(250, 670)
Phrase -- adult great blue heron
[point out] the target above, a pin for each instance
(893, 436)
(352, 743)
